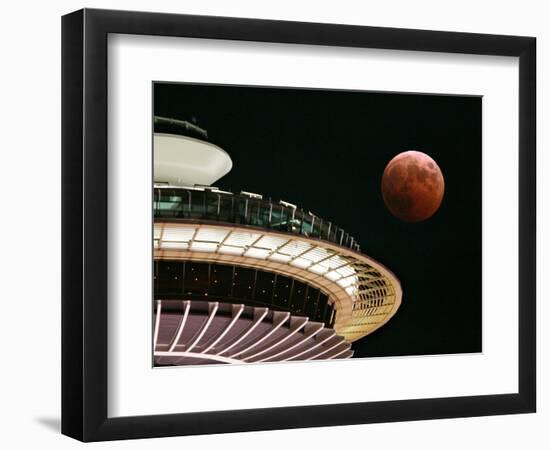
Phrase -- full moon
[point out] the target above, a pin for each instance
(412, 186)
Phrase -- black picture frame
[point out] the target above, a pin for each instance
(84, 224)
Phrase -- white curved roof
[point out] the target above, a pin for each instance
(186, 161)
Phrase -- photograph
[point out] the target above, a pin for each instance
(289, 222)
(299, 224)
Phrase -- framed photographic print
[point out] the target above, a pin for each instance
(274, 224)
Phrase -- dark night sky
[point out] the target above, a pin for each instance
(326, 151)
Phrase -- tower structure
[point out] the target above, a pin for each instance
(240, 279)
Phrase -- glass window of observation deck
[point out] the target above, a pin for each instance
(264, 287)
(212, 202)
(312, 298)
(282, 292)
(169, 203)
(197, 205)
(226, 208)
(243, 283)
(298, 296)
(240, 208)
(280, 218)
(253, 212)
(168, 278)
(323, 308)
(196, 279)
(220, 280)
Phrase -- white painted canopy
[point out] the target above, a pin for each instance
(186, 161)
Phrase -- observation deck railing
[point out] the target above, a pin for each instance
(210, 204)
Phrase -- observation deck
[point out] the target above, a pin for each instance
(244, 231)
(209, 204)
(243, 278)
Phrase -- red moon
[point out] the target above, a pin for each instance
(412, 186)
